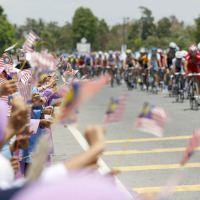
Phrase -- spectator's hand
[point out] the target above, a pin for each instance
(95, 136)
(48, 110)
(55, 89)
(45, 122)
(37, 100)
(19, 114)
(23, 142)
(58, 103)
(52, 81)
(8, 87)
(14, 161)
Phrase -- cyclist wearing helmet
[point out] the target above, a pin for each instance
(142, 61)
(198, 46)
(129, 61)
(81, 65)
(168, 59)
(184, 53)
(162, 57)
(111, 64)
(88, 63)
(154, 62)
(99, 62)
(191, 63)
(105, 62)
(178, 63)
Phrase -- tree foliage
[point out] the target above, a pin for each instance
(84, 24)
(138, 32)
(7, 32)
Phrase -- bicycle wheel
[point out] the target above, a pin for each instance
(191, 103)
(176, 94)
(196, 97)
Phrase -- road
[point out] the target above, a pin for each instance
(149, 161)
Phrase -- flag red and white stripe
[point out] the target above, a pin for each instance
(11, 47)
(30, 40)
(26, 75)
(117, 114)
(5, 98)
(152, 119)
(2, 66)
(43, 61)
(193, 144)
(7, 67)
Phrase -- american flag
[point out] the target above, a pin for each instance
(78, 93)
(193, 144)
(31, 42)
(152, 119)
(43, 61)
(115, 110)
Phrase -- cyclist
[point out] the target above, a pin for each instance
(154, 62)
(81, 65)
(111, 65)
(99, 63)
(141, 61)
(178, 66)
(191, 63)
(129, 61)
(105, 62)
(178, 63)
(88, 64)
(198, 46)
(184, 53)
(168, 59)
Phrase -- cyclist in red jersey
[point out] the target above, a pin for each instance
(191, 63)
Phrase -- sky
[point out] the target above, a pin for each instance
(112, 11)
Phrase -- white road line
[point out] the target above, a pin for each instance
(103, 168)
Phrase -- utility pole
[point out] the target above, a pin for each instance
(124, 46)
(124, 30)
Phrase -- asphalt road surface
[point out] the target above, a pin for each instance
(148, 162)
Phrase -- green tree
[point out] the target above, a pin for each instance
(102, 37)
(84, 24)
(163, 27)
(7, 32)
(197, 32)
(147, 23)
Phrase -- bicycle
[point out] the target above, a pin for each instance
(179, 85)
(193, 95)
(129, 78)
(151, 81)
